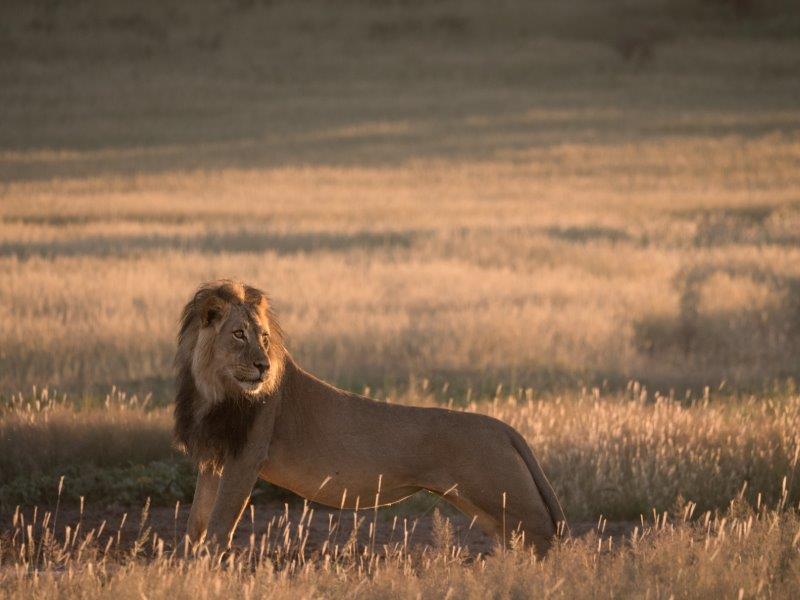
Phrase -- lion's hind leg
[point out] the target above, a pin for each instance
(504, 514)
(501, 494)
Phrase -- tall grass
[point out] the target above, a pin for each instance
(375, 283)
(746, 552)
(452, 191)
(613, 455)
(551, 195)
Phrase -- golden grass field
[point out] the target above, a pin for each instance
(685, 477)
(559, 198)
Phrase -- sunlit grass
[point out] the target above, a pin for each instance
(745, 551)
(712, 485)
(497, 275)
(533, 209)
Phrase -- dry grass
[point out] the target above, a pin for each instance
(547, 195)
(745, 553)
(476, 273)
(43, 434)
(616, 456)
(703, 531)
(536, 213)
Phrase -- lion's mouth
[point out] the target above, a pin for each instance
(250, 384)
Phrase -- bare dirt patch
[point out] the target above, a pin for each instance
(325, 525)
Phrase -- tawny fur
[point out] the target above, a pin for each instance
(332, 446)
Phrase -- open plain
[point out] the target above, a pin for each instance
(582, 218)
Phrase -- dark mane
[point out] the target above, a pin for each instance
(219, 433)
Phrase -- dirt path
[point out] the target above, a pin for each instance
(326, 525)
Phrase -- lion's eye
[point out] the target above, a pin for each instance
(238, 334)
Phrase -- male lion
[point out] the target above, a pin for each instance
(244, 409)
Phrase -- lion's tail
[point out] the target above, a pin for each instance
(542, 484)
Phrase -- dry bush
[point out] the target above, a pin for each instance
(43, 434)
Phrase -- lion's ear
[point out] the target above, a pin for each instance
(213, 310)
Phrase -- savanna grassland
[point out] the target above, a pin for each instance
(518, 209)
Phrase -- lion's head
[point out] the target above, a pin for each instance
(232, 341)
(230, 358)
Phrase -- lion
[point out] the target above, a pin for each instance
(244, 409)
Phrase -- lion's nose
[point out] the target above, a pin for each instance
(262, 366)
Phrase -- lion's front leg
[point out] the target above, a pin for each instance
(205, 493)
(238, 478)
